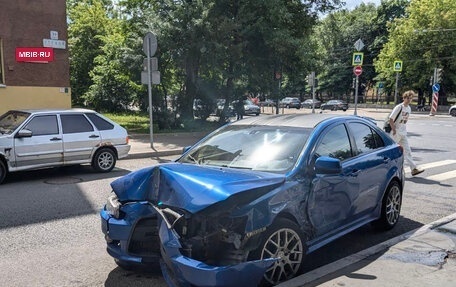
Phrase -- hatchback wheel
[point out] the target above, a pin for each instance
(2, 171)
(104, 160)
(391, 207)
(453, 112)
(285, 241)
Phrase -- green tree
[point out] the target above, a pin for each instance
(423, 40)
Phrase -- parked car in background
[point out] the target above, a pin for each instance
(334, 105)
(221, 105)
(249, 201)
(267, 103)
(452, 111)
(310, 102)
(289, 102)
(33, 139)
(250, 108)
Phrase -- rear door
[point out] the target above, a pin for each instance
(80, 138)
(43, 148)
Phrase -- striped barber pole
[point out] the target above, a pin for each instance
(435, 101)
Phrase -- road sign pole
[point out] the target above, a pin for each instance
(149, 85)
(395, 89)
(356, 96)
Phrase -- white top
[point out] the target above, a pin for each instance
(402, 119)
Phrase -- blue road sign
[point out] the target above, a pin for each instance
(436, 88)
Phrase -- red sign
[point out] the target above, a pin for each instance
(34, 55)
(358, 70)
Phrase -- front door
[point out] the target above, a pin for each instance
(43, 148)
(331, 195)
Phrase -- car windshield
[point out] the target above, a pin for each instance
(11, 120)
(263, 148)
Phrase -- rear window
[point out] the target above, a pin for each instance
(100, 123)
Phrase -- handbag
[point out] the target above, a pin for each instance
(387, 126)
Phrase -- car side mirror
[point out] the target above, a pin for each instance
(327, 165)
(185, 149)
(24, 133)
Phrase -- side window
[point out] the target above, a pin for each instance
(100, 123)
(75, 124)
(335, 143)
(43, 125)
(366, 139)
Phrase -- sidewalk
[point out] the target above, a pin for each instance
(420, 258)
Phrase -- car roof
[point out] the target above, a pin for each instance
(60, 111)
(293, 120)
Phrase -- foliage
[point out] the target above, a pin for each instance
(423, 40)
(211, 49)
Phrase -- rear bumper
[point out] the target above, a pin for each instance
(122, 150)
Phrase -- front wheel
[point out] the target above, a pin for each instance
(104, 160)
(453, 113)
(283, 240)
(391, 207)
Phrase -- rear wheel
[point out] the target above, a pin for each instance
(104, 160)
(283, 240)
(3, 171)
(453, 112)
(391, 207)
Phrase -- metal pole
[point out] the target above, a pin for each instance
(313, 92)
(149, 82)
(356, 97)
(395, 89)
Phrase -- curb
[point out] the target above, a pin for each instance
(330, 268)
(139, 155)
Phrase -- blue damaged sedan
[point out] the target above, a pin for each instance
(246, 204)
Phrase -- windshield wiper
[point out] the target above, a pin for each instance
(193, 159)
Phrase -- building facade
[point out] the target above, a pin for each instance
(34, 57)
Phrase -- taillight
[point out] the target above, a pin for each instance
(127, 139)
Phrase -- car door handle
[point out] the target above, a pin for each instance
(55, 139)
(386, 160)
(94, 136)
(355, 172)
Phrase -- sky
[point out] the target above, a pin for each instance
(351, 4)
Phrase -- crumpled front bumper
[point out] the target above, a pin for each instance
(118, 233)
(182, 271)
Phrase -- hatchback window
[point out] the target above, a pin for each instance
(43, 125)
(100, 123)
(335, 143)
(76, 123)
(365, 138)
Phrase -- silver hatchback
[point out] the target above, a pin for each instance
(33, 139)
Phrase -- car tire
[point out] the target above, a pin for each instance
(274, 245)
(453, 112)
(3, 171)
(104, 160)
(391, 207)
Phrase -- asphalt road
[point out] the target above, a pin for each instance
(50, 229)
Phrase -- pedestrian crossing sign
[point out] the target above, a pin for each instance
(398, 66)
(357, 59)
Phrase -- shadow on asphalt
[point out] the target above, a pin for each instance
(48, 194)
(356, 241)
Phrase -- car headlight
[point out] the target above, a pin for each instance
(113, 206)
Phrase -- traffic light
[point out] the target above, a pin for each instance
(438, 75)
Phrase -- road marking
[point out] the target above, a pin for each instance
(434, 164)
(442, 176)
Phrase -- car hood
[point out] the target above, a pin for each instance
(191, 187)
